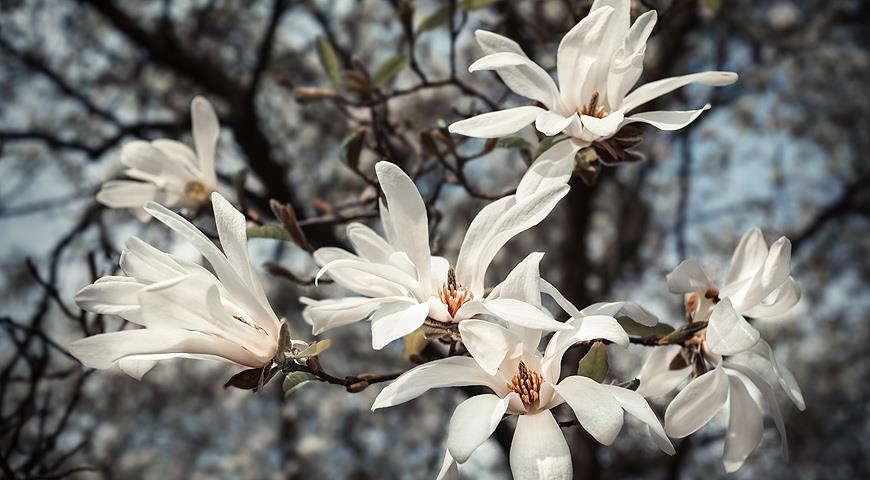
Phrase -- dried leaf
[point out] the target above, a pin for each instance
(287, 216)
(252, 378)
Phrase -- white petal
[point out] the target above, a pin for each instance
(772, 406)
(473, 422)
(372, 271)
(407, 215)
(102, 351)
(603, 127)
(136, 367)
(523, 76)
(368, 244)
(522, 283)
(784, 298)
(745, 426)
(634, 403)
(173, 171)
(489, 344)
(147, 264)
(748, 257)
(111, 295)
(627, 64)
(656, 89)
(492, 43)
(773, 274)
(556, 295)
(689, 277)
(205, 136)
(356, 280)
(447, 372)
(496, 124)
(552, 169)
(449, 470)
(395, 320)
(539, 450)
(656, 376)
(596, 409)
(523, 314)
(784, 376)
(576, 53)
(126, 193)
(631, 310)
(693, 407)
(728, 333)
(551, 123)
(327, 314)
(667, 119)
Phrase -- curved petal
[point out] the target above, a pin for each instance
(449, 470)
(784, 376)
(523, 314)
(393, 321)
(769, 396)
(206, 130)
(496, 124)
(408, 216)
(556, 295)
(656, 376)
(368, 244)
(748, 257)
(523, 76)
(473, 422)
(327, 314)
(693, 407)
(745, 426)
(111, 295)
(126, 193)
(773, 273)
(447, 372)
(653, 90)
(489, 344)
(728, 333)
(539, 449)
(689, 277)
(784, 298)
(632, 310)
(388, 273)
(667, 119)
(577, 52)
(596, 408)
(551, 123)
(603, 127)
(634, 403)
(552, 169)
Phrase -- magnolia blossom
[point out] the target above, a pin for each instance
(525, 382)
(757, 285)
(167, 171)
(402, 285)
(598, 62)
(186, 310)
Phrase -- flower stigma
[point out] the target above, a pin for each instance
(527, 383)
(452, 294)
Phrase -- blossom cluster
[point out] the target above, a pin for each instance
(501, 336)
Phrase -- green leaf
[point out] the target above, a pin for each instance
(518, 143)
(684, 333)
(273, 231)
(712, 5)
(594, 365)
(294, 380)
(284, 342)
(329, 61)
(314, 349)
(352, 146)
(438, 18)
(414, 343)
(388, 70)
(635, 329)
(469, 5)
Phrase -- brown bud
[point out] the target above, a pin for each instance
(357, 387)
(312, 93)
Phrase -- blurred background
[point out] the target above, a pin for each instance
(783, 149)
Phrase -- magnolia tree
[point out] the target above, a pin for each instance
(419, 238)
(503, 340)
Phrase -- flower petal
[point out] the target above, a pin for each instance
(689, 277)
(656, 376)
(748, 257)
(393, 321)
(632, 310)
(489, 344)
(769, 396)
(368, 244)
(447, 372)
(577, 52)
(327, 314)
(449, 470)
(111, 295)
(523, 76)
(523, 314)
(126, 193)
(596, 408)
(696, 404)
(634, 403)
(408, 216)
(496, 124)
(666, 119)
(653, 90)
(784, 376)
(728, 333)
(551, 123)
(473, 422)
(539, 449)
(784, 298)
(603, 127)
(206, 130)
(745, 426)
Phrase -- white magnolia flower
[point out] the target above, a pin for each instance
(166, 171)
(186, 310)
(598, 62)
(758, 284)
(525, 383)
(402, 285)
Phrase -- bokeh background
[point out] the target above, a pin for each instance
(784, 149)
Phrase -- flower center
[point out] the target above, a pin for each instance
(592, 108)
(452, 294)
(196, 192)
(527, 383)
